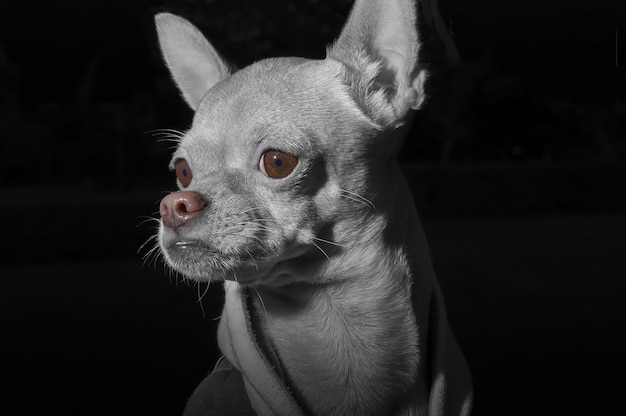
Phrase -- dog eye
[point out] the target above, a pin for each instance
(277, 164)
(183, 173)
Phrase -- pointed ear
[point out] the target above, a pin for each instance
(379, 45)
(192, 61)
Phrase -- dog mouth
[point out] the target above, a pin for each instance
(187, 245)
(197, 260)
(186, 250)
(183, 251)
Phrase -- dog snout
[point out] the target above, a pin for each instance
(179, 208)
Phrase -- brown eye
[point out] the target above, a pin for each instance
(276, 164)
(183, 173)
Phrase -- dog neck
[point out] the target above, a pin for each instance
(354, 344)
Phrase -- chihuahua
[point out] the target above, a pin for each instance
(290, 193)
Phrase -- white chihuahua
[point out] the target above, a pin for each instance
(292, 195)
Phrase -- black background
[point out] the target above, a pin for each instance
(517, 164)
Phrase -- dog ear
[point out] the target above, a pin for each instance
(379, 46)
(192, 61)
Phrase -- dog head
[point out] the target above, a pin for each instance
(288, 161)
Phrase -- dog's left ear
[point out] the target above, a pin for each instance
(379, 46)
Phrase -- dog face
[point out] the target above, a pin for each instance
(286, 162)
(282, 159)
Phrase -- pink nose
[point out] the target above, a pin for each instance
(178, 208)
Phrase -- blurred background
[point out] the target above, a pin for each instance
(517, 163)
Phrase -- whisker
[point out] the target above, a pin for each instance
(329, 242)
(154, 252)
(208, 285)
(166, 130)
(256, 266)
(179, 278)
(265, 219)
(169, 139)
(167, 134)
(267, 318)
(157, 255)
(167, 270)
(254, 224)
(199, 301)
(201, 296)
(152, 237)
(357, 198)
(320, 249)
(147, 219)
(257, 221)
(249, 209)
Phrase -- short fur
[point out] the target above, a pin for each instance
(335, 250)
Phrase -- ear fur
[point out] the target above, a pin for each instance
(379, 45)
(192, 61)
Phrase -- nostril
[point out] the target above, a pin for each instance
(181, 206)
(189, 203)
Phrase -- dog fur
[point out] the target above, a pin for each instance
(342, 277)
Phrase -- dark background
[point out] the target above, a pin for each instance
(517, 163)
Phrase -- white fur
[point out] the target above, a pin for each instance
(335, 250)
(185, 50)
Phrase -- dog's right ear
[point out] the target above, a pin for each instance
(193, 62)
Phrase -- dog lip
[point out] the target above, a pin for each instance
(185, 245)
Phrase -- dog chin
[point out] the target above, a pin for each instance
(197, 261)
(200, 260)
